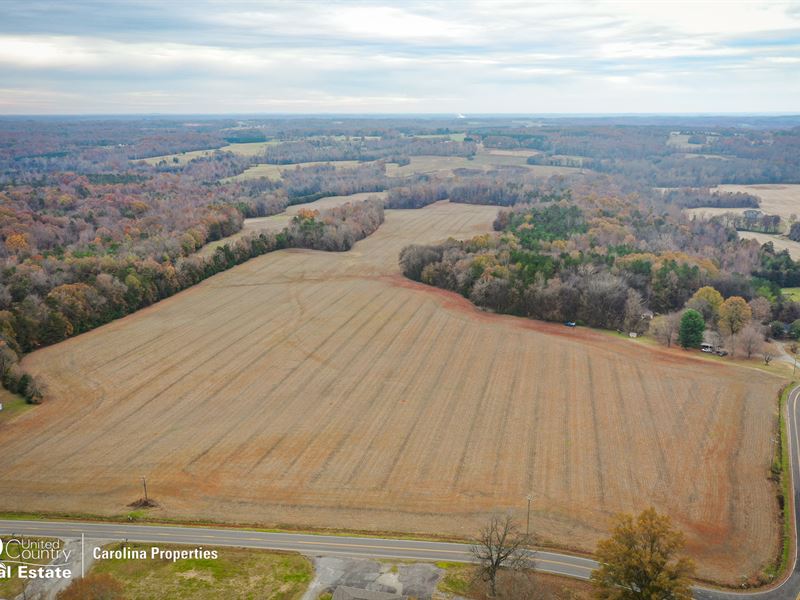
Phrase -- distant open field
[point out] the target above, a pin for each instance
(319, 389)
(717, 156)
(456, 137)
(681, 140)
(523, 153)
(278, 222)
(780, 242)
(782, 199)
(246, 149)
(483, 160)
(707, 212)
(276, 171)
(421, 164)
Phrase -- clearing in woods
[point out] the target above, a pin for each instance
(317, 389)
(444, 165)
(276, 171)
(782, 199)
(780, 242)
(245, 149)
(484, 161)
(276, 223)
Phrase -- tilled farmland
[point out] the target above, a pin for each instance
(315, 389)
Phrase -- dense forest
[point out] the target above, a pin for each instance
(705, 158)
(90, 231)
(47, 301)
(604, 259)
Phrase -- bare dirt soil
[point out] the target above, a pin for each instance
(317, 389)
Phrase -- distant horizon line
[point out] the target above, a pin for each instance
(451, 115)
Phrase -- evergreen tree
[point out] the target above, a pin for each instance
(691, 331)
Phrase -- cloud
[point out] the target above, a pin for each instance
(509, 55)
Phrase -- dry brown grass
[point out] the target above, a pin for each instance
(523, 153)
(776, 199)
(782, 199)
(681, 140)
(245, 149)
(276, 171)
(13, 405)
(780, 242)
(464, 581)
(236, 573)
(325, 390)
(276, 223)
(485, 161)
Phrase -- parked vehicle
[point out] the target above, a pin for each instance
(570, 323)
(707, 348)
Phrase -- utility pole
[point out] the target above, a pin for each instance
(144, 484)
(528, 521)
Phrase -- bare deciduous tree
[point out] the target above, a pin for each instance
(634, 310)
(500, 545)
(761, 309)
(714, 338)
(766, 353)
(750, 340)
(665, 327)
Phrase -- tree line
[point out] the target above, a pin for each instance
(606, 260)
(388, 148)
(706, 198)
(100, 291)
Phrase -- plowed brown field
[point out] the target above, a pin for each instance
(325, 390)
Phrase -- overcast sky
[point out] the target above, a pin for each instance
(70, 57)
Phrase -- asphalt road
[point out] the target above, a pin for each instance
(789, 588)
(313, 545)
(366, 547)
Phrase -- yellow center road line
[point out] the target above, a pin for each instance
(235, 540)
(219, 537)
(558, 562)
(396, 552)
